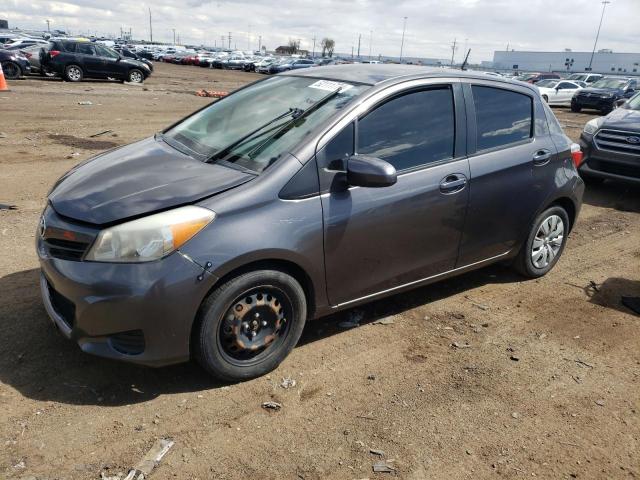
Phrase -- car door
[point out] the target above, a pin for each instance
(380, 239)
(111, 64)
(564, 92)
(91, 63)
(512, 161)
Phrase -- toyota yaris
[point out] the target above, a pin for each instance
(298, 196)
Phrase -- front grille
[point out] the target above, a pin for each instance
(618, 141)
(64, 307)
(128, 343)
(65, 249)
(615, 168)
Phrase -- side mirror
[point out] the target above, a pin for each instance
(366, 171)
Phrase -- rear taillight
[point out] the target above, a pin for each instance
(576, 154)
(53, 53)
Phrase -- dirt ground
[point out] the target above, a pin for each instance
(549, 386)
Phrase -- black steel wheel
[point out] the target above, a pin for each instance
(248, 325)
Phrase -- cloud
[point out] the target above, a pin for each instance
(432, 25)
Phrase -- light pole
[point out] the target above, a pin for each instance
(604, 5)
(370, 42)
(404, 27)
(48, 29)
(174, 36)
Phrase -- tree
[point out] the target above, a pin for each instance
(294, 46)
(328, 44)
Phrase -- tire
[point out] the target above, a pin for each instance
(73, 73)
(575, 108)
(248, 325)
(542, 242)
(11, 70)
(135, 76)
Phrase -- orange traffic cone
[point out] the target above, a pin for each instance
(3, 83)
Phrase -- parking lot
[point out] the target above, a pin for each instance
(478, 376)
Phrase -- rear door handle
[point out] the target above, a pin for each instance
(541, 157)
(453, 183)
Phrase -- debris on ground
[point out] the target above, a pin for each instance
(632, 303)
(515, 358)
(72, 155)
(384, 321)
(4, 206)
(288, 382)
(3, 135)
(376, 452)
(480, 306)
(271, 406)
(594, 285)
(85, 102)
(150, 460)
(600, 402)
(371, 376)
(383, 467)
(515, 415)
(100, 133)
(211, 93)
(355, 317)
(460, 345)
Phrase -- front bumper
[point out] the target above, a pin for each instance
(141, 313)
(596, 103)
(608, 164)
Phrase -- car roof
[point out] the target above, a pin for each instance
(375, 74)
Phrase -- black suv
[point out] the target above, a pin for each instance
(74, 60)
(611, 145)
(604, 94)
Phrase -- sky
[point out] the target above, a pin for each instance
(431, 25)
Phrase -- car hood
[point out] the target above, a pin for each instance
(601, 90)
(137, 179)
(623, 119)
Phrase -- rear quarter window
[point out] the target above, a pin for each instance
(503, 117)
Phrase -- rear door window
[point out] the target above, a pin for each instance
(503, 117)
(85, 49)
(412, 130)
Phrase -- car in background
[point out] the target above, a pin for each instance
(20, 43)
(585, 77)
(14, 64)
(291, 64)
(35, 54)
(556, 92)
(263, 65)
(126, 53)
(604, 94)
(611, 145)
(536, 77)
(234, 62)
(74, 61)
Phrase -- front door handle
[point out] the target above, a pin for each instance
(453, 183)
(541, 157)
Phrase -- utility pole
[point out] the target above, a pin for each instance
(150, 27)
(359, 37)
(229, 40)
(260, 43)
(48, 29)
(604, 5)
(351, 52)
(313, 52)
(222, 41)
(507, 46)
(404, 27)
(249, 38)
(453, 50)
(174, 36)
(370, 42)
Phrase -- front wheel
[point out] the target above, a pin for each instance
(11, 70)
(545, 243)
(136, 76)
(575, 107)
(248, 325)
(73, 73)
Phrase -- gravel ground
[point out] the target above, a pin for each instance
(549, 386)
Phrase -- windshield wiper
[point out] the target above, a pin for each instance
(295, 113)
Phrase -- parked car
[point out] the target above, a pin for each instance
(74, 61)
(536, 77)
(20, 43)
(219, 237)
(14, 64)
(234, 62)
(291, 64)
(125, 52)
(558, 92)
(611, 145)
(585, 77)
(34, 55)
(604, 94)
(263, 65)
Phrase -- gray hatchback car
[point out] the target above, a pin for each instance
(298, 196)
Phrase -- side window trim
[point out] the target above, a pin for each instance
(472, 125)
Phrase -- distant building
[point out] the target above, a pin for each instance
(4, 23)
(287, 50)
(604, 61)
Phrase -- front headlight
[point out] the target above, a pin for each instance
(592, 126)
(149, 238)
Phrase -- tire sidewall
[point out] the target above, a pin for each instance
(527, 263)
(220, 300)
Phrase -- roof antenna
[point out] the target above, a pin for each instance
(466, 60)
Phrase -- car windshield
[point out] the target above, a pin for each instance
(633, 103)
(547, 83)
(610, 83)
(256, 125)
(577, 76)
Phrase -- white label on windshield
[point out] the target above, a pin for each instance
(330, 86)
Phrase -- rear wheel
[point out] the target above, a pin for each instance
(136, 76)
(11, 70)
(248, 325)
(575, 107)
(73, 73)
(545, 243)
